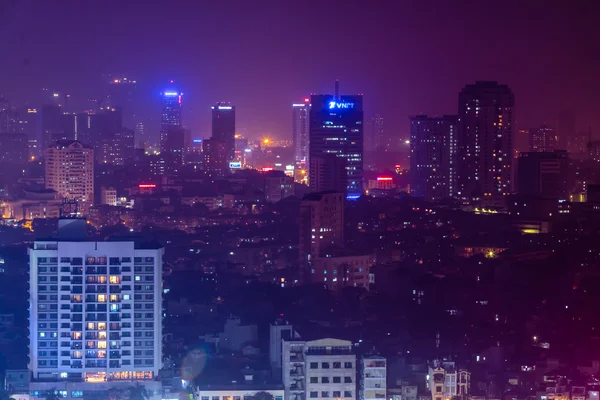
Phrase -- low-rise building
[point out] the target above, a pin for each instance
(445, 380)
(373, 374)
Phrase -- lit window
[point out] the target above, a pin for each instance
(91, 325)
(115, 279)
(114, 297)
(102, 326)
(77, 335)
(102, 344)
(101, 279)
(101, 298)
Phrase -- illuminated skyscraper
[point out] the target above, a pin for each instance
(485, 148)
(301, 130)
(336, 127)
(171, 114)
(432, 156)
(223, 127)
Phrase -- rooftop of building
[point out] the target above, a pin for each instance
(318, 195)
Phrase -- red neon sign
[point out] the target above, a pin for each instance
(266, 169)
(384, 178)
(146, 185)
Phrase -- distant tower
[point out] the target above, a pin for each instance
(300, 130)
(171, 114)
(485, 147)
(336, 127)
(223, 127)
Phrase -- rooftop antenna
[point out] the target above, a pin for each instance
(337, 89)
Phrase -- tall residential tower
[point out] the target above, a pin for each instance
(485, 143)
(433, 156)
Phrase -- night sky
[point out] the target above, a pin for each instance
(406, 57)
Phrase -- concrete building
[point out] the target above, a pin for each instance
(543, 139)
(70, 172)
(446, 381)
(543, 174)
(373, 374)
(108, 196)
(433, 157)
(485, 144)
(321, 225)
(339, 269)
(300, 130)
(239, 392)
(319, 369)
(83, 343)
(278, 186)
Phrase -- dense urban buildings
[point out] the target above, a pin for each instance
(433, 157)
(70, 172)
(484, 143)
(336, 127)
(300, 130)
(223, 127)
(441, 259)
(87, 341)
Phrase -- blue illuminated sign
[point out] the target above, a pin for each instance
(197, 140)
(334, 105)
(171, 94)
(235, 165)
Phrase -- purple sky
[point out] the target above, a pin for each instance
(406, 57)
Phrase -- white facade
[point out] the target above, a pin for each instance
(373, 378)
(320, 369)
(95, 314)
(446, 381)
(70, 172)
(108, 196)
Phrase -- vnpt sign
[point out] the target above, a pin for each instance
(334, 105)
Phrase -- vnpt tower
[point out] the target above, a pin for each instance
(336, 128)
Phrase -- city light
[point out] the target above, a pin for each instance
(146, 185)
(384, 178)
(171, 94)
(266, 140)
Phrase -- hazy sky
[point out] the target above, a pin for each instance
(406, 57)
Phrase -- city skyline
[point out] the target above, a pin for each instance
(403, 85)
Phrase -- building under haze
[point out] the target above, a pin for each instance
(214, 153)
(336, 127)
(321, 228)
(122, 94)
(543, 174)
(485, 148)
(433, 156)
(300, 130)
(171, 114)
(328, 173)
(376, 140)
(543, 139)
(223, 127)
(70, 172)
(84, 342)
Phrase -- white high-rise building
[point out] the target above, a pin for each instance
(95, 314)
(319, 369)
(70, 172)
